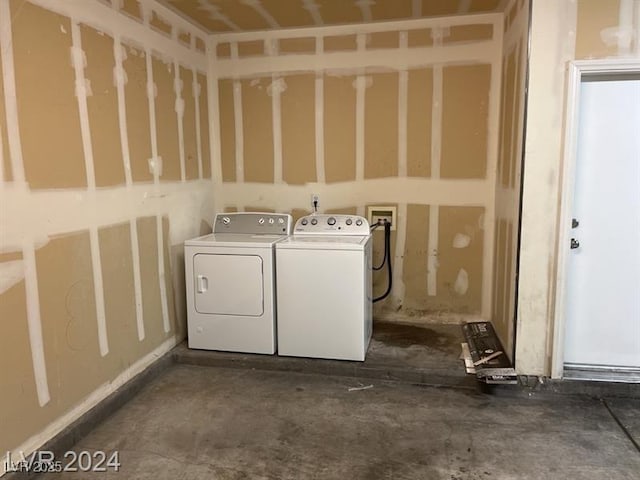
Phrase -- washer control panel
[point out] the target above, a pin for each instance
(326, 224)
(253, 223)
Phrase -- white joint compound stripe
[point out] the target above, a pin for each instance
(360, 106)
(151, 103)
(276, 119)
(237, 116)
(365, 8)
(463, 6)
(11, 105)
(2, 120)
(196, 98)
(122, 110)
(257, 6)
(636, 21)
(436, 122)
(162, 276)
(432, 249)
(401, 236)
(320, 168)
(98, 287)
(416, 8)
(34, 323)
(625, 27)
(314, 11)
(403, 94)
(137, 278)
(177, 86)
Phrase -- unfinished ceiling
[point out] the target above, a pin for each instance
(218, 16)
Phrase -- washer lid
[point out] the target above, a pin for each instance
(324, 242)
(236, 240)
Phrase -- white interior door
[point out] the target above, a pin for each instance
(602, 300)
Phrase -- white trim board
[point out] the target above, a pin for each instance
(577, 70)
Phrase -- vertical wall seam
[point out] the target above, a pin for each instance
(398, 270)
(161, 274)
(197, 93)
(432, 251)
(34, 323)
(360, 112)
(319, 111)
(237, 116)
(276, 120)
(179, 108)
(403, 93)
(137, 277)
(10, 98)
(416, 8)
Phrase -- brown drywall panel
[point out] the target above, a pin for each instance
(465, 221)
(47, 106)
(484, 6)
(419, 38)
(465, 102)
(227, 130)
(166, 119)
(250, 208)
(102, 106)
(189, 125)
(381, 126)
(132, 8)
(151, 299)
(500, 280)
(201, 46)
(391, 10)
(160, 24)
(339, 128)
(297, 107)
(251, 49)
(468, 33)
(288, 14)
(18, 382)
(333, 12)
(193, 11)
(435, 8)
(4, 136)
(342, 211)
(257, 130)
(204, 125)
(419, 106)
(340, 43)
(230, 209)
(518, 119)
(137, 108)
(68, 317)
(416, 256)
(223, 50)
(297, 45)
(10, 256)
(244, 16)
(185, 38)
(377, 40)
(594, 16)
(297, 213)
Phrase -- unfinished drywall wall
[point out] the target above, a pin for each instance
(104, 175)
(402, 114)
(508, 175)
(571, 30)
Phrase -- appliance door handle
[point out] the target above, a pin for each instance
(203, 283)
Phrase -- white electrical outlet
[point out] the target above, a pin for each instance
(378, 213)
(315, 201)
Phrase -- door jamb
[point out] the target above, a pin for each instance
(577, 70)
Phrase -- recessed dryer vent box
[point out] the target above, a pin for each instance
(375, 213)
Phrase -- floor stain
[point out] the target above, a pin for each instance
(399, 335)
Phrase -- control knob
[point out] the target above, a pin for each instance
(331, 221)
(358, 222)
(261, 221)
(349, 221)
(226, 220)
(281, 221)
(271, 221)
(304, 221)
(314, 221)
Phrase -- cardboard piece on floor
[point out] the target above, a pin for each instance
(486, 354)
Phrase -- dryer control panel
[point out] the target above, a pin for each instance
(257, 223)
(325, 224)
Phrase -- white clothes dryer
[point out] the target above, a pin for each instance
(324, 288)
(230, 283)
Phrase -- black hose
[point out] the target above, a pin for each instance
(387, 260)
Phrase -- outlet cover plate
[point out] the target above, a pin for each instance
(374, 212)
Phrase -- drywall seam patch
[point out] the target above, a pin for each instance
(237, 116)
(119, 80)
(624, 32)
(432, 251)
(416, 8)
(403, 93)
(276, 119)
(10, 99)
(177, 87)
(314, 11)
(401, 238)
(34, 323)
(79, 63)
(196, 98)
(137, 278)
(92, 400)
(436, 113)
(365, 8)
(257, 6)
(360, 106)
(319, 90)
(161, 275)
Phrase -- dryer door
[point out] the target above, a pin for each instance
(228, 284)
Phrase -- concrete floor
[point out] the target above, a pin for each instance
(196, 422)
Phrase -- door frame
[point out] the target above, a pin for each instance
(577, 70)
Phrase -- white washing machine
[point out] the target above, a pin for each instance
(324, 288)
(230, 280)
